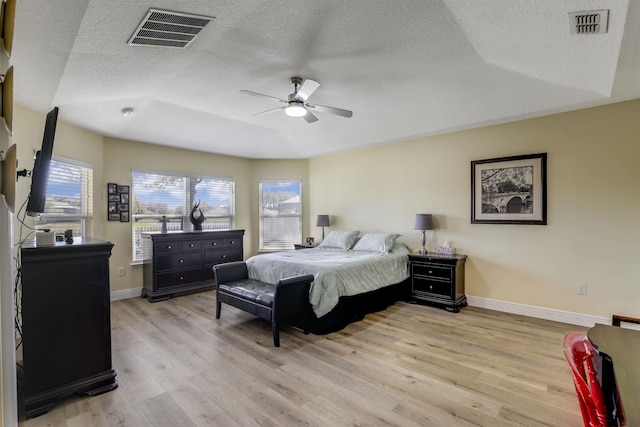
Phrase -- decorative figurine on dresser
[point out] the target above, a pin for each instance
(438, 279)
(181, 262)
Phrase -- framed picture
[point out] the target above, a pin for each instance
(117, 202)
(509, 190)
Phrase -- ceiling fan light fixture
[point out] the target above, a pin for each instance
(295, 109)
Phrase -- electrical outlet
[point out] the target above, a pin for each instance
(121, 271)
(581, 289)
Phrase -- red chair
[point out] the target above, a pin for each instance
(580, 354)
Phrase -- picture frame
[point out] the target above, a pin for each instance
(118, 202)
(509, 190)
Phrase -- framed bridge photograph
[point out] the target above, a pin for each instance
(509, 190)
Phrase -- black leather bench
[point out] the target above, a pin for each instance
(281, 302)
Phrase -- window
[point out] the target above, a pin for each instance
(155, 195)
(69, 201)
(280, 214)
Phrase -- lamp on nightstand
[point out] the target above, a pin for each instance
(322, 221)
(423, 222)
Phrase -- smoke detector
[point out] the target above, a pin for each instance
(168, 29)
(591, 22)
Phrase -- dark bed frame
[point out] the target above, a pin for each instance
(353, 308)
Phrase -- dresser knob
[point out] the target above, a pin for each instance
(181, 261)
(181, 277)
(169, 247)
(430, 272)
(224, 256)
(430, 286)
(190, 245)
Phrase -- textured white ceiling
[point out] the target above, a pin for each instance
(405, 68)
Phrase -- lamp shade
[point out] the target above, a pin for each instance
(423, 222)
(322, 221)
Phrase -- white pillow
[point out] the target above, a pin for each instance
(340, 239)
(376, 242)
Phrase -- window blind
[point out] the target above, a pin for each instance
(69, 199)
(155, 195)
(280, 214)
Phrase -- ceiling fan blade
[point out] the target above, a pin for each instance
(330, 110)
(306, 90)
(269, 111)
(262, 95)
(309, 117)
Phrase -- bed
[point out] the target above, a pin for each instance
(353, 276)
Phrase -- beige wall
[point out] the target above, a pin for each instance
(593, 231)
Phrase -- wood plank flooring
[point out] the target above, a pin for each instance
(409, 365)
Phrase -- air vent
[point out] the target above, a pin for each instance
(168, 29)
(591, 22)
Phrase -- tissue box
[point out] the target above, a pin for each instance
(445, 251)
(45, 238)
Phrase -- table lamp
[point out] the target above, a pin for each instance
(322, 221)
(423, 222)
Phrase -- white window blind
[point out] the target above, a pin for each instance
(155, 195)
(69, 199)
(280, 214)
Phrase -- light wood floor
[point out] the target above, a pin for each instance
(410, 365)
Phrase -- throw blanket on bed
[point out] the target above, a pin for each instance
(337, 272)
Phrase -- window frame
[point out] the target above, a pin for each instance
(87, 200)
(177, 222)
(287, 244)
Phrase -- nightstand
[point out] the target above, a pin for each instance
(303, 246)
(438, 279)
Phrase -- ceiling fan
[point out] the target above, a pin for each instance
(296, 103)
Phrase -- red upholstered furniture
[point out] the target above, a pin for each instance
(580, 354)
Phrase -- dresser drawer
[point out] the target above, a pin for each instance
(184, 260)
(166, 247)
(430, 270)
(180, 277)
(191, 245)
(225, 255)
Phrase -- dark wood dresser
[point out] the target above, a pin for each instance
(183, 262)
(438, 279)
(66, 323)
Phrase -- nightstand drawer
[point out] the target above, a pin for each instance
(429, 270)
(432, 287)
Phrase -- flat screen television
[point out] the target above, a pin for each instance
(41, 166)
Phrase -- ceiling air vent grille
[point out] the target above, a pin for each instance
(168, 29)
(591, 22)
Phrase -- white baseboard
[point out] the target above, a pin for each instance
(126, 294)
(538, 312)
(491, 304)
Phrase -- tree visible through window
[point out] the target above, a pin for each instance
(280, 214)
(69, 199)
(156, 195)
